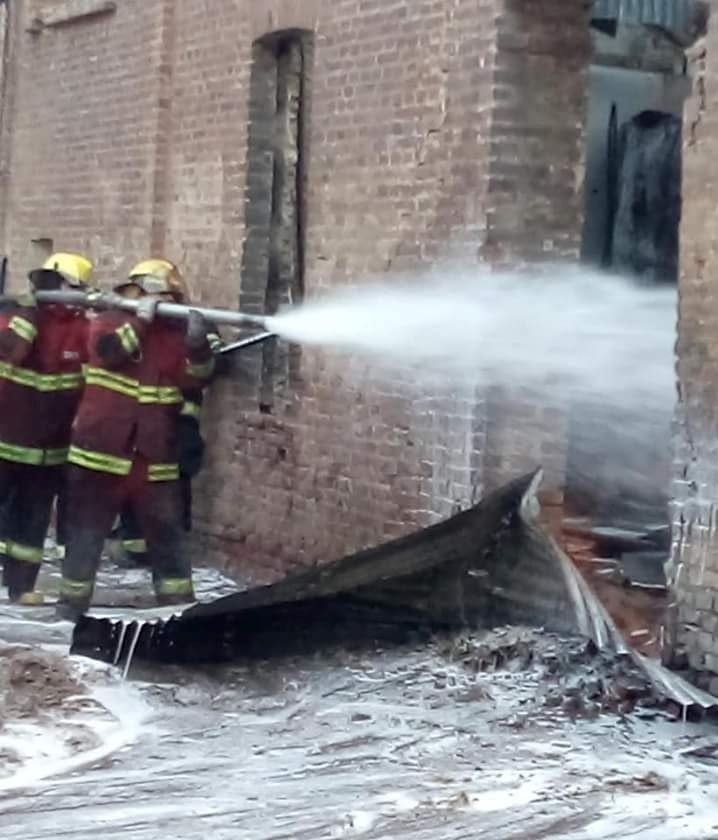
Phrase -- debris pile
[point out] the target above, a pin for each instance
(58, 714)
(625, 569)
(33, 682)
(571, 673)
(39, 695)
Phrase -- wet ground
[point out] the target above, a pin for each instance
(376, 744)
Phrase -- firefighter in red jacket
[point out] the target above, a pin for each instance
(42, 350)
(124, 442)
(128, 547)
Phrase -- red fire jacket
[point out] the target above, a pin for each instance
(133, 394)
(42, 351)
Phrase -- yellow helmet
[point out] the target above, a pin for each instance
(73, 268)
(156, 277)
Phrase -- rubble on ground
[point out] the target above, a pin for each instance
(454, 737)
(56, 713)
(570, 673)
(33, 682)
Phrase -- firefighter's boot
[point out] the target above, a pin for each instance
(20, 578)
(171, 592)
(31, 599)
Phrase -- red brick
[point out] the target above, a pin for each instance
(129, 135)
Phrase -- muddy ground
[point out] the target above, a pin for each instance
(34, 682)
(382, 744)
(37, 689)
(56, 713)
(509, 736)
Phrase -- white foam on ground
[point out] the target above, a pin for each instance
(686, 806)
(356, 822)
(501, 798)
(146, 615)
(111, 716)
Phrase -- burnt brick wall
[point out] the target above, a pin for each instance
(273, 255)
(534, 202)
(4, 57)
(443, 130)
(83, 139)
(8, 39)
(397, 145)
(422, 123)
(694, 568)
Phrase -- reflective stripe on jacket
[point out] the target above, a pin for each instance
(133, 395)
(42, 350)
(194, 397)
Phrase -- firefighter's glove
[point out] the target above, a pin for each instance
(197, 329)
(147, 309)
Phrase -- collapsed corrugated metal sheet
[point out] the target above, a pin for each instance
(489, 566)
(684, 19)
(674, 686)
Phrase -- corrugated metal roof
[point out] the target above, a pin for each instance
(674, 686)
(683, 18)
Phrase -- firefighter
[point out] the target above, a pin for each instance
(42, 350)
(124, 446)
(129, 547)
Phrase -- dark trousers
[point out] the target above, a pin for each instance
(93, 501)
(131, 535)
(129, 531)
(27, 494)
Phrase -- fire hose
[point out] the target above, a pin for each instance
(226, 317)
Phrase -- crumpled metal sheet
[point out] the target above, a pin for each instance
(492, 565)
(597, 624)
(673, 686)
(488, 566)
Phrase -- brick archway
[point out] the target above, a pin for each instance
(284, 15)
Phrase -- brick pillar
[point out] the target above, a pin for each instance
(164, 132)
(6, 23)
(535, 202)
(693, 623)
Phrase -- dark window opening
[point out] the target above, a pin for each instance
(637, 87)
(273, 262)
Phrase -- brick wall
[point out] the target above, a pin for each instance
(7, 28)
(450, 130)
(535, 202)
(419, 131)
(84, 129)
(397, 148)
(694, 622)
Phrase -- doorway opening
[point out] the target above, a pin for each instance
(620, 456)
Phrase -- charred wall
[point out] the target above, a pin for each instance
(694, 565)
(449, 130)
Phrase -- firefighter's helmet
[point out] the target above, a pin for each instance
(74, 269)
(157, 277)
